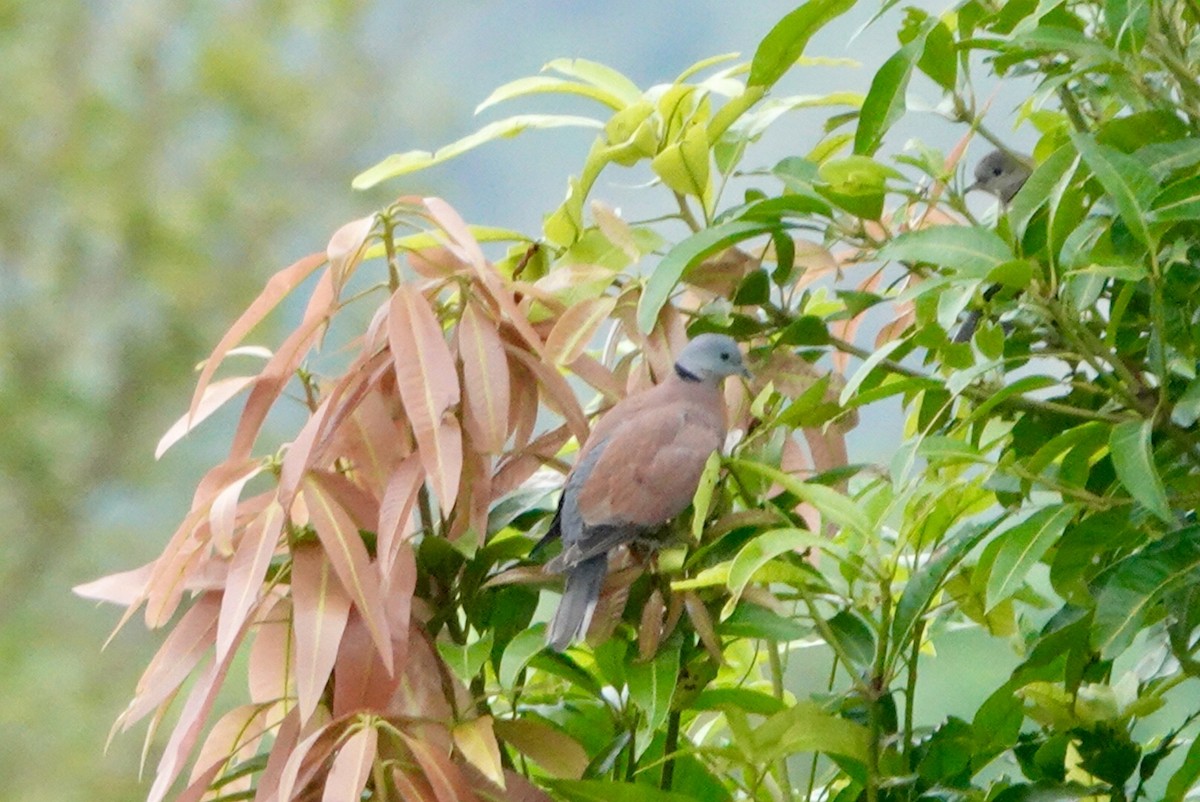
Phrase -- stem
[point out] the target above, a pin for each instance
(910, 688)
(781, 767)
(983, 394)
(876, 689)
(425, 510)
(380, 789)
(669, 749)
(685, 212)
(389, 247)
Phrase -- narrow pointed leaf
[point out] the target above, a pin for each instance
(211, 399)
(476, 741)
(1127, 181)
(246, 573)
(545, 84)
(277, 288)
(685, 255)
(1133, 458)
(785, 43)
(1021, 547)
(348, 555)
(351, 766)
(574, 330)
(321, 608)
(414, 160)
(428, 384)
(485, 380)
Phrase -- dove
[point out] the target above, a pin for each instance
(639, 469)
(1001, 174)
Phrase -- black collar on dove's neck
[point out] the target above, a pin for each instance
(685, 374)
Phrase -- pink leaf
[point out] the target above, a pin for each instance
(575, 329)
(175, 660)
(345, 550)
(348, 774)
(282, 366)
(123, 588)
(285, 743)
(446, 779)
(187, 730)
(557, 392)
(320, 610)
(271, 670)
(395, 512)
(345, 248)
(291, 769)
(242, 727)
(360, 680)
(246, 574)
(213, 398)
(277, 287)
(469, 249)
(427, 382)
(222, 516)
(485, 380)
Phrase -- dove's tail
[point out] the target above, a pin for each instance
(578, 602)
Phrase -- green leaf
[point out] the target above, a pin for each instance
(651, 684)
(884, 104)
(684, 165)
(757, 622)
(855, 639)
(761, 550)
(1130, 185)
(414, 160)
(685, 255)
(543, 84)
(805, 727)
(1136, 584)
(598, 75)
(1187, 409)
(757, 702)
(609, 791)
(831, 504)
(1021, 385)
(519, 652)
(969, 251)
(1186, 776)
(1180, 201)
(702, 499)
(939, 59)
(805, 330)
(1133, 458)
(1039, 188)
(1164, 158)
(1021, 547)
(857, 184)
(466, 660)
(785, 43)
(864, 370)
(927, 582)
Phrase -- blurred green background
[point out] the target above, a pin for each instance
(159, 159)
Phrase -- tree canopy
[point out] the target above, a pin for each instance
(368, 587)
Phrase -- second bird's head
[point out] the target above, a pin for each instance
(711, 357)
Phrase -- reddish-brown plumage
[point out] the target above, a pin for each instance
(639, 468)
(655, 447)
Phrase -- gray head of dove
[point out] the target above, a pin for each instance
(1001, 174)
(710, 358)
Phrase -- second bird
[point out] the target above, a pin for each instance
(640, 468)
